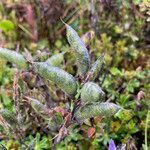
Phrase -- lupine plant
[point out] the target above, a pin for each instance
(82, 91)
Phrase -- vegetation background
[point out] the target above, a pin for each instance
(118, 28)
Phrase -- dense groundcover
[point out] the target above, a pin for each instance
(74, 74)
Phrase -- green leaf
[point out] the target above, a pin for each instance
(115, 71)
(124, 115)
(42, 44)
(7, 25)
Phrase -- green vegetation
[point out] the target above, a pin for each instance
(74, 74)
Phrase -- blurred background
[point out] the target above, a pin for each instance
(118, 28)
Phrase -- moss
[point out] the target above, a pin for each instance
(62, 79)
(82, 56)
(91, 92)
(13, 57)
(96, 109)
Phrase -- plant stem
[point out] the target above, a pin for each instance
(146, 126)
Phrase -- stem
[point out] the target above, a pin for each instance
(146, 126)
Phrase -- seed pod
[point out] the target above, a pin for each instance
(62, 79)
(13, 57)
(8, 116)
(82, 56)
(53, 119)
(96, 109)
(91, 92)
(55, 122)
(96, 67)
(56, 60)
(39, 108)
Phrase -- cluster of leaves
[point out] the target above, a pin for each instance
(112, 28)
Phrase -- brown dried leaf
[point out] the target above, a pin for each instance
(60, 110)
(91, 132)
(62, 133)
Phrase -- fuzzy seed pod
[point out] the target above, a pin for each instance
(55, 122)
(82, 56)
(96, 109)
(39, 108)
(62, 79)
(96, 67)
(13, 57)
(91, 92)
(56, 59)
(8, 116)
(53, 119)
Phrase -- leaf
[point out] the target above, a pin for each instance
(91, 132)
(6, 25)
(124, 115)
(43, 43)
(115, 71)
(41, 143)
(60, 110)
(2, 147)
